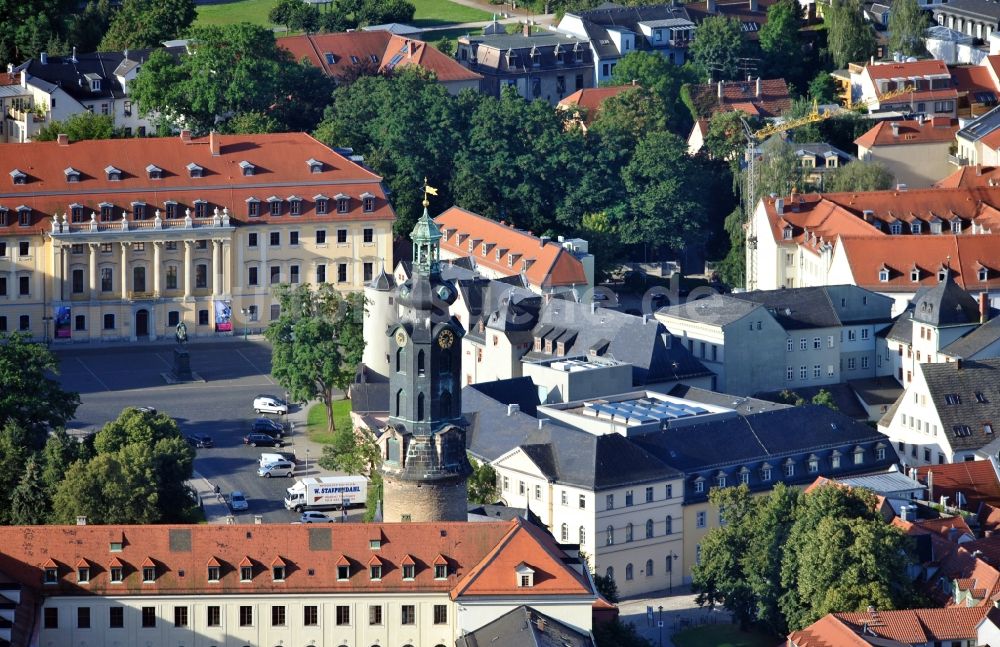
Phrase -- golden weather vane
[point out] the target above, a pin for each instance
(428, 190)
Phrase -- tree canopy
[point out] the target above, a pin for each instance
(717, 49)
(850, 37)
(655, 73)
(79, 127)
(907, 24)
(140, 24)
(780, 41)
(31, 398)
(860, 175)
(316, 342)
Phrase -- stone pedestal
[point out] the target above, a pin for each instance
(182, 365)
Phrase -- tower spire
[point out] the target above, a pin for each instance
(426, 239)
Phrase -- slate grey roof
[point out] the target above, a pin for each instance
(945, 304)
(798, 308)
(760, 436)
(876, 391)
(742, 405)
(972, 8)
(975, 341)
(884, 483)
(968, 380)
(902, 327)
(843, 396)
(520, 41)
(565, 454)
(525, 627)
(519, 390)
(821, 149)
(717, 309)
(370, 397)
(61, 71)
(645, 343)
(382, 282)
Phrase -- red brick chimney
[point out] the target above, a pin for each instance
(214, 144)
(62, 139)
(984, 307)
(186, 136)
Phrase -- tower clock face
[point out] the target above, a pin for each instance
(401, 337)
(446, 339)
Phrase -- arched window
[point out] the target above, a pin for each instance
(583, 535)
(564, 533)
(610, 573)
(420, 362)
(446, 404)
(611, 536)
(649, 568)
(399, 360)
(628, 533)
(400, 399)
(628, 572)
(649, 529)
(420, 407)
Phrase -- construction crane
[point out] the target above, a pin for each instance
(756, 136)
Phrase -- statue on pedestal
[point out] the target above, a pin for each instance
(182, 360)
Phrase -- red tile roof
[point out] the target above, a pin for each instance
(907, 70)
(379, 48)
(549, 265)
(828, 631)
(972, 78)
(591, 99)
(934, 131)
(976, 480)
(918, 626)
(970, 176)
(772, 101)
(281, 171)
(752, 21)
(480, 557)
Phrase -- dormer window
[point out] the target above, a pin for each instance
(367, 202)
(942, 275)
(409, 570)
(525, 576)
(295, 205)
(322, 204)
(114, 174)
(248, 168)
(76, 212)
(510, 260)
(883, 275)
(154, 172)
(200, 209)
(486, 248)
(195, 171)
(343, 202)
(24, 216)
(375, 569)
(440, 571)
(138, 211)
(914, 227)
(117, 574)
(343, 572)
(788, 232)
(51, 575)
(3, 216)
(95, 82)
(115, 547)
(375, 544)
(896, 228)
(246, 573)
(72, 175)
(984, 274)
(214, 572)
(278, 572)
(935, 226)
(315, 166)
(171, 208)
(83, 574)
(956, 226)
(106, 211)
(18, 177)
(472, 245)
(275, 205)
(915, 275)
(253, 207)
(148, 574)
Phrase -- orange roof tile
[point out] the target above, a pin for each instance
(336, 53)
(972, 78)
(281, 170)
(591, 99)
(976, 480)
(907, 70)
(918, 625)
(828, 631)
(549, 265)
(935, 131)
(774, 98)
(968, 570)
(971, 176)
(482, 557)
(945, 526)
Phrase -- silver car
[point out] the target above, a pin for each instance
(238, 502)
(279, 468)
(316, 517)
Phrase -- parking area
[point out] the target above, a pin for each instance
(112, 378)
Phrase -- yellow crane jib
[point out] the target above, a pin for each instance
(788, 124)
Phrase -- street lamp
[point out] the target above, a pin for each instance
(307, 459)
(670, 570)
(246, 321)
(659, 624)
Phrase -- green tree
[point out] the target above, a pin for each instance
(822, 88)
(31, 397)
(147, 23)
(135, 427)
(316, 343)
(725, 138)
(860, 175)
(618, 634)
(907, 24)
(630, 115)
(283, 11)
(374, 498)
(29, 503)
(655, 73)
(87, 29)
(732, 268)
(253, 123)
(850, 37)
(445, 45)
(825, 398)
(483, 483)
(378, 117)
(116, 488)
(353, 451)
(717, 49)
(607, 587)
(79, 127)
(61, 450)
(15, 449)
(780, 41)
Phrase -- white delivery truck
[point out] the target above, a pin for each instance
(326, 492)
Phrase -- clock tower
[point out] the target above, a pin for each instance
(424, 465)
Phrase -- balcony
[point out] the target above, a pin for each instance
(958, 160)
(62, 227)
(23, 115)
(141, 296)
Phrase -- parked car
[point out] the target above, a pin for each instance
(200, 440)
(269, 404)
(237, 501)
(264, 440)
(316, 517)
(267, 426)
(150, 410)
(273, 457)
(279, 468)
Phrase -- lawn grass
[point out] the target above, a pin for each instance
(428, 14)
(316, 421)
(723, 636)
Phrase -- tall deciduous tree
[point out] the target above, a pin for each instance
(655, 73)
(352, 451)
(29, 503)
(780, 41)
(849, 37)
(30, 397)
(79, 127)
(907, 24)
(718, 47)
(61, 450)
(483, 483)
(317, 342)
(147, 23)
(860, 175)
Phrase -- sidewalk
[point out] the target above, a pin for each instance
(679, 611)
(214, 505)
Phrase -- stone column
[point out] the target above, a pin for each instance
(227, 263)
(60, 251)
(216, 268)
(124, 270)
(92, 269)
(157, 249)
(12, 285)
(187, 267)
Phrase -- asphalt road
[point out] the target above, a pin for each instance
(112, 378)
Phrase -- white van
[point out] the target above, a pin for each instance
(274, 457)
(279, 468)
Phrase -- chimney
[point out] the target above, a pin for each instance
(186, 136)
(512, 409)
(543, 241)
(758, 78)
(895, 129)
(81, 520)
(213, 143)
(779, 206)
(720, 91)
(526, 29)
(710, 6)
(958, 364)
(930, 485)
(984, 307)
(62, 139)
(44, 58)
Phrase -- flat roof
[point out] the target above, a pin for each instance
(641, 411)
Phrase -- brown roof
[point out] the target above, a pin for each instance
(976, 480)
(281, 171)
(972, 78)
(380, 48)
(751, 21)
(970, 176)
(549, 265)
(591, 99)
(907, 69)
(918, 625)
(772, 101)
(478, 556)
(933, 131)
(828, 631)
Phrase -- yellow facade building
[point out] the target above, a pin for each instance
(124, 239)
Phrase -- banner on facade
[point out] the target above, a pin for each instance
(62, 320)
(223, 316)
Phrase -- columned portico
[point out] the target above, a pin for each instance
(157, 252)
